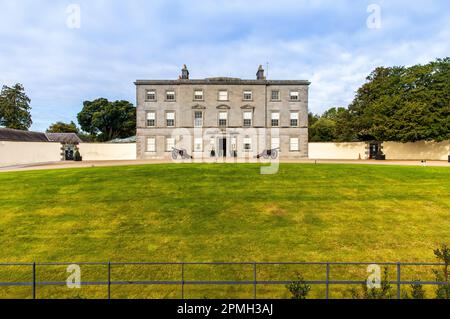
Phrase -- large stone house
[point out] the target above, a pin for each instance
(222, 117)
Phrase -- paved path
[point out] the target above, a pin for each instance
(62, 165)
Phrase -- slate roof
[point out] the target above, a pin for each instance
(222, 81)
(7, 134)
(67, 138)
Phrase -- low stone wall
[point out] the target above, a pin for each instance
(19, 153)
(107, 151)
(347, 151)
(417, 151)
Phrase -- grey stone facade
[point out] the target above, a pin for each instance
(156, 135)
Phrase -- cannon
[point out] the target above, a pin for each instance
(182, 153)
(272, 153)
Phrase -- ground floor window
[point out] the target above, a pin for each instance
(170, 143)
(198, 144)
(151, 144)
(275, 143)
(247, 143)
(294, 144)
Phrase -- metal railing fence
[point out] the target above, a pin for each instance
(182, 282)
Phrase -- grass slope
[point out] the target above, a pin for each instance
(201, 212)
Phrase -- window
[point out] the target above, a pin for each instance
(170, 143)
(248, 118)
(198, 95)
(294, 96)
(275, 143)
(248, 95)
(198, 144)
(247, 143)
(151, 119)
(294, 119)
(170, 96)
(198, 119)
(223, 117)
(234, 144)
(151, 95)
(275, 96)
(170, 119)
(275, 119)
(151, 144)
(293, 142)
(223, 95)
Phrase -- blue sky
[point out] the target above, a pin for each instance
(326, 42)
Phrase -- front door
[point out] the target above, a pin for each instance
(69, 154)
(222, 147)
(374, 147)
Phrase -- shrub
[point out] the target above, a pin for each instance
(298, 289)
(417, 292)
(77, 157)
(384, 292)
(443, 255)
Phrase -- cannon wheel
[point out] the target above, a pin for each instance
(265, 155)
(274, 154)
(184, 154)
(174, 154)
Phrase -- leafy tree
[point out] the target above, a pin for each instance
(61, 127)
(404, 104)
(312, 118)
(332, 126)
(324, 130)
(15, 108)
(298, 289)
(107, 120)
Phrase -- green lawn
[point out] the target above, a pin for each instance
(207, 212)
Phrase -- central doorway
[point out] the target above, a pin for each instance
(222, 147)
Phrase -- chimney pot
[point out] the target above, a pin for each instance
(260, 73)
(184, 73)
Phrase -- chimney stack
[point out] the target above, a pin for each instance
(260, 73)
(184, 73)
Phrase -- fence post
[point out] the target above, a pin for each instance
(34, 280)
(254, 280)
(327, 287)
(109, 280)
(182, 281)
(398, 281)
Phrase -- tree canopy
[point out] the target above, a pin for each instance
(403, 104)
(107, 120)
(61, 127)
(15, 108)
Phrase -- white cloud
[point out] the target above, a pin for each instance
(325, 42)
